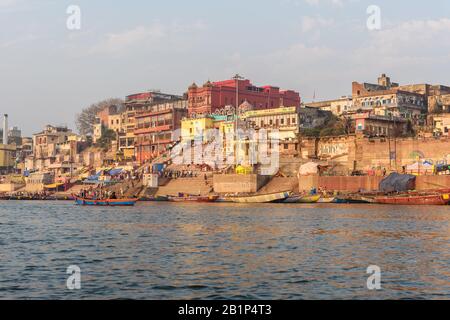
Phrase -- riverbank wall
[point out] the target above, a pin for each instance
(366, 183)
(236, 183)
(356, 152)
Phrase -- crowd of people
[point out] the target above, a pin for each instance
(99, 193)
(178, 174)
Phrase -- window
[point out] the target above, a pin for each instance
(286, 146)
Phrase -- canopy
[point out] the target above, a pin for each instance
(114, 172)
(94, 178)
(101, 170)
(421, 166)
(398, 182)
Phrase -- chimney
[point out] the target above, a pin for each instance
(5, 129)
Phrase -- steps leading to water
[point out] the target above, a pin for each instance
(278, 184)
(195, 186)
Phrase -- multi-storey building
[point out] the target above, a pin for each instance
(439, 104)
(155, 128)
(214, 97)
(377, 125)
(56, 148)
(141, 102)
(441, 124)
(338, 107)
(135, 104)
(394, 103)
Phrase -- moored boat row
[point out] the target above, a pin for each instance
(436, 197)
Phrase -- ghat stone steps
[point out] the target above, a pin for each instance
(194, 185)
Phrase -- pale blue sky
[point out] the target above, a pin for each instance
(48, 73)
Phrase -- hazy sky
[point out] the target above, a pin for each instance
(48, 73)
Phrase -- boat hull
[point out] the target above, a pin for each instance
(193, 199)
(267, 198)
(309, 199)
(106, 203)
(326, 200)
(351, 201)
(431, 200)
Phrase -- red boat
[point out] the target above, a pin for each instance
(432, 199)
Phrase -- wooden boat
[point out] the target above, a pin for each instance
(352, 199)
(415, 199)
(192, 198)
(326, 199)
(265, 198)
(105, 202)
(310, 198)
(154, 199)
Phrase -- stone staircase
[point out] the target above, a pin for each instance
(196, 186)
(279, 184)
(74, 190)
(131, 188)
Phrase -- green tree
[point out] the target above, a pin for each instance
(107, 137)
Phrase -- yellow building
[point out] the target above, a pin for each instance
(126, 145)
(7, 156)
(190, 128)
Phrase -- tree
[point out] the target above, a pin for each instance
(85, 120)
(108, 136)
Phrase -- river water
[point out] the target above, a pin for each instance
(223, 251)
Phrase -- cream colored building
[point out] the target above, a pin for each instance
(441, 124)
(7, 156)
(116, 122)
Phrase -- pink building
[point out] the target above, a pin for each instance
(212, 97)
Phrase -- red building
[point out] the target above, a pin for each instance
(212, 97)
(155, 128)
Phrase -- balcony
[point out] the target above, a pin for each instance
(147, 128)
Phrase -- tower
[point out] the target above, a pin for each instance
(5, 129)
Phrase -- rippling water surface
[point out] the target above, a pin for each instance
(223, 251)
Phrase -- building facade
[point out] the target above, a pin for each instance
(55, 148)
(134, 105)
(155, 129)
(441, 124)
(379, 126)
(439, 104)
(337, 107)
(394, 103)
(213, 97)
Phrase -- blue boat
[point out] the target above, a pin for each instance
(105, 202)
